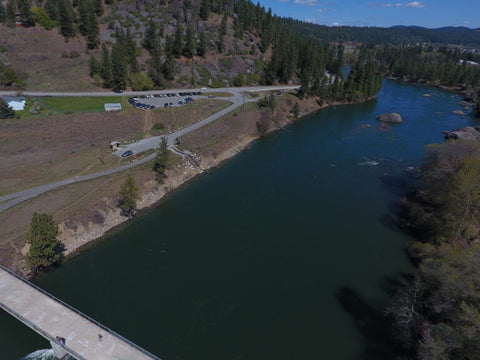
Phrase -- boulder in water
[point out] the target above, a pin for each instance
(465, 133)
(393, 118)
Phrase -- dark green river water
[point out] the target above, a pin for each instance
(285, 252)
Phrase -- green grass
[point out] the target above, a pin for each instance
(78, 104)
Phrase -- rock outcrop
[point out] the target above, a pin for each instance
(393, 118)
(465, 133)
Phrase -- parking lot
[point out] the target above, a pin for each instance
(158, 101)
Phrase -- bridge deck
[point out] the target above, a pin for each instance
(51, 318)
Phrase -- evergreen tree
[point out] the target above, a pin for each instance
(221, 34)
(51, 8)
(66, 15)
(150, 39)
(156, 67)
(202, 45)
(6, 111)
(10, 12)
(204, 9)
(95, 66)
(129, 195)
(45, 250)
(98, 6)
(161, 160)
(178, 42)
(106, 66)
(119, 67)
(168, 68)
(3, 15)
(26, 15)
(189, 47)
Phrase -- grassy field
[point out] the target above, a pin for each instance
(78, 104)
(179, 117)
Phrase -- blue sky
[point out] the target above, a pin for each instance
(427, 13)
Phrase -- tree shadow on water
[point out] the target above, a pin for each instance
(371, 322)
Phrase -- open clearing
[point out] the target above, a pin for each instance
(78, 104)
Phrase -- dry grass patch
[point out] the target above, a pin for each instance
(39, 151)
(180, 117)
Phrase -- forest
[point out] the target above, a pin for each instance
(437, 311)
(396, 35)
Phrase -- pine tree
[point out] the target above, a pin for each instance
(94, 65)
(106, 67)
(178, 42)
(129, 195)
(6, 111)
(24, 8)
(66, 15)
(204, 9)
(119, 67)
(189, 47)
(51, 8)
(161, 160)
(3, 15)
(45, 250)
(10, 12)
(156, 67)
(98, 6)
(202, 45)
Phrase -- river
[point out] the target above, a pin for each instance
(288, 251)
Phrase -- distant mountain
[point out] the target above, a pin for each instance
(397, 35)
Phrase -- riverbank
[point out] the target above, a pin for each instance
(87, 211)
(77, 235)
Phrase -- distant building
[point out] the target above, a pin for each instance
(113, 107)
(468, 62)
(16, 102)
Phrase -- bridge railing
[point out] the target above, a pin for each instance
(50, 337)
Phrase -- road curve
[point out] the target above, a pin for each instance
(238, 99)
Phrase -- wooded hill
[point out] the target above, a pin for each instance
(155, 44)
(396, 35)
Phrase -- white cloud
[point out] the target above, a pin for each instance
(335, 23)
(322, 10)
(311, 21)
(415, 4)
(307, 2)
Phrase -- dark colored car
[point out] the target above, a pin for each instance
(119, 91)
(127, 153)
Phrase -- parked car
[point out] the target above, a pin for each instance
(119, 91)
(127, 153)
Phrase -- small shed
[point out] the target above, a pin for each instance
(16, 102)
(114, 145)
(113, 107)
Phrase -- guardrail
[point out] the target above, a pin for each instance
(50, 337)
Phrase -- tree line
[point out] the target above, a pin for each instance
(396, 35)
(71, 17)
(437, 312)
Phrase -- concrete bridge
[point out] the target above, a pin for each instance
(68, 330)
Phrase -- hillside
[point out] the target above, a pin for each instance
(156, 44)
(395, 35)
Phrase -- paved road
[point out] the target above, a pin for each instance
(7, 201)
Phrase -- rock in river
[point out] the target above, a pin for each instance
(465, 133)
(394, 118)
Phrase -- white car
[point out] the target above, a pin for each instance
(203, 88)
